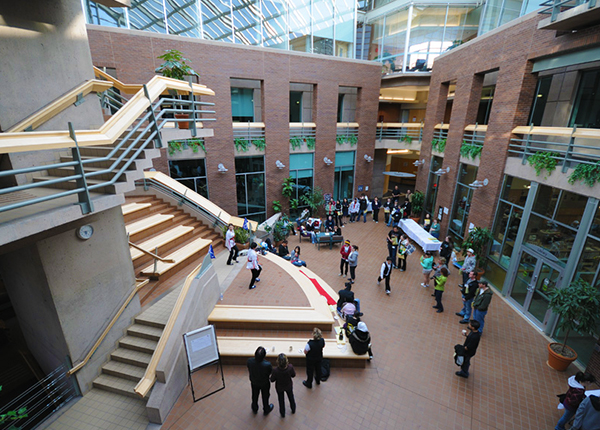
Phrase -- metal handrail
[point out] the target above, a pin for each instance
(400, 131)
(151, 254)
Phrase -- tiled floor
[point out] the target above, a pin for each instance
(410, 384)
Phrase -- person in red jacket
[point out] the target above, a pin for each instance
(574, 396)
(345, 251)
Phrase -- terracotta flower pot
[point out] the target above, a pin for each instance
(557, 361)
(183, 125)
(243, 245)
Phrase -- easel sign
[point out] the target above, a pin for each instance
(202, 350)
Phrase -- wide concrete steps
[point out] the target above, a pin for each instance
(181, 256)
(116, 188)
(147, 226)
(163, 242)
(269, 318)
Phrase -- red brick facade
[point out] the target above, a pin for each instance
(510, 50)
(133, 54)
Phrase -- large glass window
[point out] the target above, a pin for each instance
(216, 20)
(246, 22)
(242, 104)
(344, 28)
(274, 24)
(462, 199)
(485, 104)
(586, 110)
(300, 26)
(250, 184)
(295, 106)
(432, 187)
(301, 170)
(323, 27)
(539, 102)
(148, 15)
(191, 173)
(344, 175)
(183, 17)
(103, 15)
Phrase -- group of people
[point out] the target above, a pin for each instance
(584, 409)
(357, 333)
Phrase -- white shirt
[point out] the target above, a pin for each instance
(252, 260)
(230, 239)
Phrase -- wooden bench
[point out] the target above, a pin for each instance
(237, 350)
(181, 256)
(329, 239)
(270, 318)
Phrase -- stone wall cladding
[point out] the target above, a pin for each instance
(510, 50)
(133, 54)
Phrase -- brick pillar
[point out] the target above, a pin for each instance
(464, 112)
(325, 117)
(593, 366)
(365, 107)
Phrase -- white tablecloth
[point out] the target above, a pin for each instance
(420, 236)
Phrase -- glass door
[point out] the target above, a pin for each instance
(534, 278)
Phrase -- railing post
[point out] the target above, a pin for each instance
(527, 143)
(158, 137)
(569, 149)
(155, 261)
(380, 131)
(84, 196)
(421, 131)
(555, 10)
(75, 383)
(194, 131)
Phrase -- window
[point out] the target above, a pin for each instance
(295, 106)
(462, 199)
(586, 110)
(344, 175)
(347, 99)
(301, 170)
(191, 173)
(340, 109)
(485, 104)
(539, 102)
(432, 187)
(242, 104)
(250, 184)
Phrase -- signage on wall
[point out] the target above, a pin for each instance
(440, 213)
(360, 188)
(327, 196)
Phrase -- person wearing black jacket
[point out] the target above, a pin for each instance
(345, 296)
(446, 250)
(260, 371)
(360, 340)
(468, 291)
(314, 356)
(284, 252)
(363, 203)
(470, 347)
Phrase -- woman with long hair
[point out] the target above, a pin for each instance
(282, 376)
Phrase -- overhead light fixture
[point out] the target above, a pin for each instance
(441, 172)
(327, 161)
(279, 164)
(221, 168)
(368, 158)
(479, 184)
(398, 151)
(419, 162)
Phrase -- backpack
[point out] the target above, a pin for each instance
(325, 369)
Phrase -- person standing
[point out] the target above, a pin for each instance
(481, 303)
(468, 265)
(573, 397)
(439, 284)
(354, 208)
(468, 292)
(385, 273)
(330, 208)
(314, 356)
(392, 240)
(403, 252)
(363, 203)
(282, 376)
(387, 207)
(427, 265)
(446, 250)
(353, 262)
(435, 229)
(231, 245)
(587, 416)
(375, 205)
(338, 214)
(470, 347)
(345, 206)
(253, 265)
(396, 194)
(345, 251)
(259, 370)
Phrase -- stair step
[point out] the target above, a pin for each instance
(117, 385)
(145, 331)
(116, 188)
(130, 208)
(108, 175)
(160, 241)
(180, 256)
(146, 224)
(138, 344)
(136, 358)
(123, 370)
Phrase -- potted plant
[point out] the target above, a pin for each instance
(242, 237)
(578, 305)
(314, 200)
(175, 67)
(478, 239)
(417, 205)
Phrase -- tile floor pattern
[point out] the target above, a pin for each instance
(410, 384)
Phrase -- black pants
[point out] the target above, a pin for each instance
(255, 275)
(387, 282)
(265, 391)
(438, 299)
(376, 215)
(466, 364)
(392, 250)
(352, 272)
(465, 276)
(402, 263)
(344, 267)
(313, 368)
(281, 398)
(233, 254)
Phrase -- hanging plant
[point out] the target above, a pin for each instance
(340, 139)
(196, 144)
(260, 144)
(406, 138)
(588, 173)
(241, 144)
(296, 142)
(543, 160)
(352, 140)
(438, 145)
(470, 150)
(310, 142)
(175, 146)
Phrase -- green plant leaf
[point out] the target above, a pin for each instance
(543, 160)
(588, 173)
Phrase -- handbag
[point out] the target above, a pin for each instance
(410, 249)
(459, 354)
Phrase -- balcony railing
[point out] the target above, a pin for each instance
(440, 136)
(555, 7)
(302, 133)
(402, 132)
(568, 146)
(246, 134)
(473, 139)
(347, 132)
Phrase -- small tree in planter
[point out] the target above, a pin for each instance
(417, 204)
(314, 200)
(578, 304)
(478, 240)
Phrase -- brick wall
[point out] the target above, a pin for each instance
(133, 54)
(510, 50)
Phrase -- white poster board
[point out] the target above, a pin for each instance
(201, 347)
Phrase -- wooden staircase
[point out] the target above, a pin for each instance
(167, 231)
